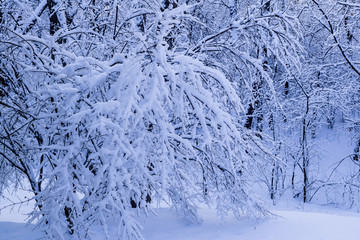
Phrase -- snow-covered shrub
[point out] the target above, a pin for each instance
(107, 106)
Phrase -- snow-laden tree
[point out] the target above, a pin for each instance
(107, 106)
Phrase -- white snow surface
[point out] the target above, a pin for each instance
(289, 224)
(18, 231)
(296, 224)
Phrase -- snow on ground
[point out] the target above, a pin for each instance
(296, 224)
(18, 231)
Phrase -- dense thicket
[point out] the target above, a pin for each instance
(108, 107)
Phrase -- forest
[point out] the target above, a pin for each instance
(110, 107)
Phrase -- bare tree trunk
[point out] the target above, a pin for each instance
(304, 147)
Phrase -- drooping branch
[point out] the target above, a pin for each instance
(331, 29)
